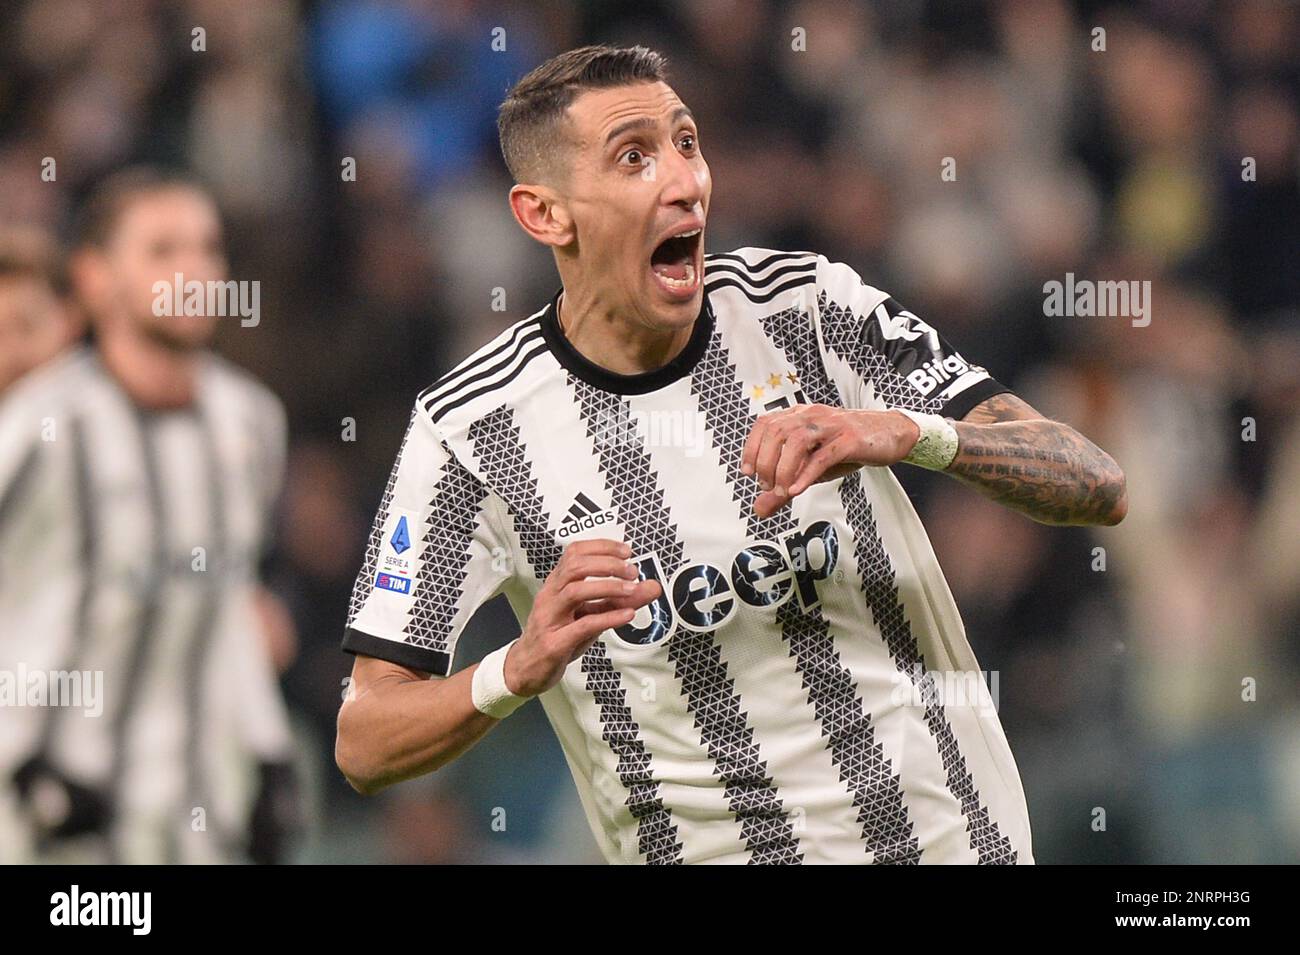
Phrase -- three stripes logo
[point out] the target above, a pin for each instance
(583, 515)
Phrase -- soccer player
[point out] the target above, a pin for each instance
(678, 472)
(137, 479)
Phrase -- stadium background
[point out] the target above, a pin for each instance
(1119, 689)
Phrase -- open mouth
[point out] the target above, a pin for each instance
(675, 262)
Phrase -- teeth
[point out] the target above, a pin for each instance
(687, 282)
(686, 235)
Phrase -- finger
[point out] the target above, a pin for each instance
(625, 593)
(768, 503)
(584, 631)
(577, 637)
(769, 450)
(641, 594)
(601, 566)
(578, 592)
(816, 464)
(749, 453)
(799, 444)
(596, 546)
(645, 591)
(596, 565)
(552, 603)
(600, 606)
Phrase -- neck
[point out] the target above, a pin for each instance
(609, 339)
(154, 376)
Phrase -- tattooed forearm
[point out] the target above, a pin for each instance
(1044, 469)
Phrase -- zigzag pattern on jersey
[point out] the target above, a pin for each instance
(881, 592)
(370, 566)
(454, 511)
(850, 337)
(499, 448)
(863, 767)
(794, 334)
(710, 694)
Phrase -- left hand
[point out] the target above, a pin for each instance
(792, 449)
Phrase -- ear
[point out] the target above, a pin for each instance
(542, 214)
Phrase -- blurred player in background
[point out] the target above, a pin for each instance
(678, 471)
(138, 476)
(35, 321)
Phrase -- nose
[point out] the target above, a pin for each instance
(684, 182)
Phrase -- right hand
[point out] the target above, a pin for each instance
(593, 588)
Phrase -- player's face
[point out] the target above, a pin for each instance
(639, 187)
(33, 327)
(160, 234)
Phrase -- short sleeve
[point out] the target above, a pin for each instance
(881, 356)
(434, 556)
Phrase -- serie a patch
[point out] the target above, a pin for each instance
(396, 566)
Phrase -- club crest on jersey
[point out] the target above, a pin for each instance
(761, 576)
(583, 515)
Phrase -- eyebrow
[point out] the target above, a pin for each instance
(645, 122)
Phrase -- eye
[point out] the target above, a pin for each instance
(687, 142)
(633, 157)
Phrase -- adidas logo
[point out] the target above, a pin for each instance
(583, 515)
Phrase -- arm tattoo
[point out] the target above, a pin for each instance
(1044, 469)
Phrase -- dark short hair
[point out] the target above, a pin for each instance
(528, 123)
(103, 207)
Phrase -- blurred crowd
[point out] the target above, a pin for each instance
(958, 154)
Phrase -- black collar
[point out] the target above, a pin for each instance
(640, 383)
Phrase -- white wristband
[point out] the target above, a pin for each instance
(937, 445)
(489, 690)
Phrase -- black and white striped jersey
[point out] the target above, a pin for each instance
(129, 542)
(789, 697)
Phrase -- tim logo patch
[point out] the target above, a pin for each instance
(401, 585)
